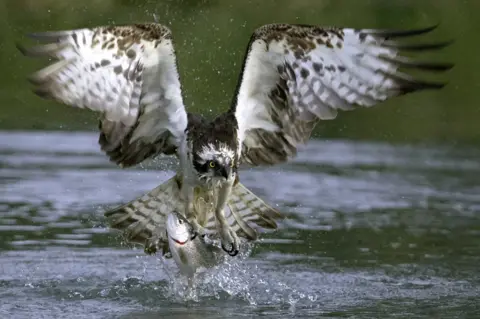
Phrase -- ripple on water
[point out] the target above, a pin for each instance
(372, 230)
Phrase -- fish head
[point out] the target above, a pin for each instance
(178, 228)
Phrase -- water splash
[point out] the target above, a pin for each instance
(237, 279)
(370, 228)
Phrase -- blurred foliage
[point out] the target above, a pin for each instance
(211, 37)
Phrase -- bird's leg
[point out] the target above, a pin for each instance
(230, 241)
(190, 215)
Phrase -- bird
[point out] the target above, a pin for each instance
(293, 76)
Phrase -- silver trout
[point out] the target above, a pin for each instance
(189, 250)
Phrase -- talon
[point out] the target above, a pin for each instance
(194, 235)
(232, 252)
(229, 239)
(227, 251)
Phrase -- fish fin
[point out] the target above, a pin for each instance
(246, 211)
(143, 219)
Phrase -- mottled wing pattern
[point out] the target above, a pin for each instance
(128, 74)
(295, 75)
(246, 213)
(143, 220)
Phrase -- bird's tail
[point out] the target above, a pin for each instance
(143, 219)
(245, 213)
(246, 210)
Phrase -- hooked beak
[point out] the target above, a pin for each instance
(226, 171)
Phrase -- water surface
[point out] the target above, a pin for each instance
(373, 230)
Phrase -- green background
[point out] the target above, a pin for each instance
(211, 37)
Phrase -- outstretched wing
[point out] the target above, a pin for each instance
(126, 73)
(295, 75)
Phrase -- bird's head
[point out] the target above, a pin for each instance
(214, 162)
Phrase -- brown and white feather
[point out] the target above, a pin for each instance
(142, 220)
(128, 74)
(295, 75)
(145, 217)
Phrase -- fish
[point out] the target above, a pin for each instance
(190, 251)
(144, 221)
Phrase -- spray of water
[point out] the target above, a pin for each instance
(237, 278)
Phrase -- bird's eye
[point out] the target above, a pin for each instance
(212, 164)
(180, 221)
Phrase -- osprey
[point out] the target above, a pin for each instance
(292, 77)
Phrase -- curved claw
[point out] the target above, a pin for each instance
(229, 239)
(232, 252)
(194, 235)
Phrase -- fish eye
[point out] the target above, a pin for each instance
(211, 164)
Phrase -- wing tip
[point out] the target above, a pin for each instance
(418, 47)
(416, 86)
(419, 65)
(48, 35)
(43, 93)
(30, 51)
(398, 33)
(23, 50)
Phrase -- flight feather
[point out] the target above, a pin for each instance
(295, 75)
(126, 73)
